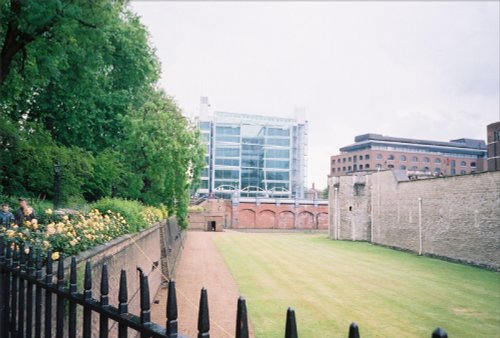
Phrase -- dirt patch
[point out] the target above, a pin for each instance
(202, 265)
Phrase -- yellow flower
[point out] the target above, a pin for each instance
(48, 211)
(55, 256)
(73, 242)
(10, 233)
(65, 217)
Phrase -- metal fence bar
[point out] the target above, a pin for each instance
(60, 299)
(72, 305)
(48, 296)
(22, 299)
(29, 295)
(87, 295)
(103, 320)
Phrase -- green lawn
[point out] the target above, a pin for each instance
(330, 284)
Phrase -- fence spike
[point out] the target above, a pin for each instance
(31, 262)
(145, 304)
(171, 310)
(2, 248)
(87, 282)
(38, 265)
(203, 316)
(291, 325)
(60, 272)
(48, 268)
(123, 293)
(241, 319)
(73, 276)
(353, 330)
(104, 285)
(439, 333)
(22, 260)
(16, 256)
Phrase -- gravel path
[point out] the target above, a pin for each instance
(202, 265)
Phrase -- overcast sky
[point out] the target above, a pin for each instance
(419, 70)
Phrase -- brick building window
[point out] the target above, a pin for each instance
(414, 159)
(349, 168)
(343, 168)
(390, 157)
(426, 168)
(463, 164)
(426, 160)
(343, 160)
(350, 159)
(462, 172)
(354, 158)
(379, 156)
(437, 160)
(391, 166)
(473, 164)
(414, 167)
(452, 163)
(379, 166)
(367, 166)
(402, 167)
(360, 167)
(367, 156)
(361, 157)
(333, 170)
(402, 158)
(453, 172)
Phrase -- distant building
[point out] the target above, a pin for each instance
(372, 152)
(493, 138)
(252, 155)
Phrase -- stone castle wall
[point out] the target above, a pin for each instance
(457, 217)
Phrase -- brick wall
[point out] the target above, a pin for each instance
(278, 216)
(459, 215)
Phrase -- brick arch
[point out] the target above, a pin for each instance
(286, 220)
(322, 220)
(305, 220)
(246, 218)
(266, 219)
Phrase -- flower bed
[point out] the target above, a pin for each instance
(71, 234)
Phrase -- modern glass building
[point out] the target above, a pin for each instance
(253, 155)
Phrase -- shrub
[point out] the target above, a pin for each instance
(137, 215)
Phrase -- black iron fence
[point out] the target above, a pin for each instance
(33, 304)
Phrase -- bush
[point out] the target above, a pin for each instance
(137, 215)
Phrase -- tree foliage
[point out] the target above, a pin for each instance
(78, 86)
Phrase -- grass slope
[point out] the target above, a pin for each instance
(330, 284)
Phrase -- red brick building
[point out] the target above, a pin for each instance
(371, 152)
